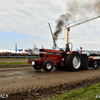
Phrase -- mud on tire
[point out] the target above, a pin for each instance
(73, 62)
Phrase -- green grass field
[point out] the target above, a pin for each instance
(88, 93)
(14, 63)
(13, 58)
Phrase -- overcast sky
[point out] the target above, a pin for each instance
(25, 23)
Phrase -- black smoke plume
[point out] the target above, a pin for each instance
(76, 9)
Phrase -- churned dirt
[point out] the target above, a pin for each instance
(25, 83)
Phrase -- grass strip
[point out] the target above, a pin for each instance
(14, 63)
(88, 93)
(14, 58)
(18, 58)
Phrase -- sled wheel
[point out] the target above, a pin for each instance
(95, 65)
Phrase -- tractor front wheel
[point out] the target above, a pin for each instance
(47, 65)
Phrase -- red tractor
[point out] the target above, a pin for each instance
(71, 61)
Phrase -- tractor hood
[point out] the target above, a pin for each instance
(50, 51)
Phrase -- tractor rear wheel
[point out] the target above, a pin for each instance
(47, 65)
(73, 62)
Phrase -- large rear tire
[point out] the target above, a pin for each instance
(73, 62)
(47, 65)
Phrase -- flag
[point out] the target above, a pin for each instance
(42, 47)
(77, 49)
(89, 53)
(16, 48)
(35, 46)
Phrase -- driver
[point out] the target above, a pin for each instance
(67, 48)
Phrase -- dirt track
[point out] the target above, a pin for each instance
(25, 82)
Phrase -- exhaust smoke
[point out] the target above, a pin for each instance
(76, 9)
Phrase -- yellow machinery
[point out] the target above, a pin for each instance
(68, 27)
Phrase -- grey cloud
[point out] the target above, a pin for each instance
(27, 13)
(32, 16)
